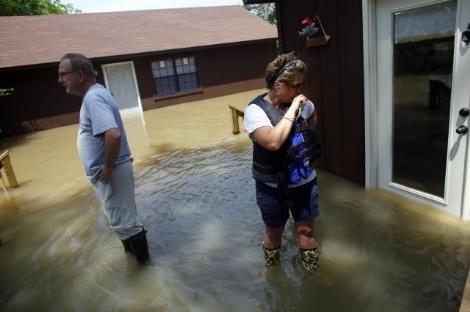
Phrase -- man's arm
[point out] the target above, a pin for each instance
(112, 143)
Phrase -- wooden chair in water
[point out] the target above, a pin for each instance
(236, 112)
(5, 164)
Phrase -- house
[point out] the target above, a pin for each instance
(148, 59)
(392, 92)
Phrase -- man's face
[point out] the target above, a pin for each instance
(69, 78)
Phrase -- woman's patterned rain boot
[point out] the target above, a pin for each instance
(309, 258)
(271, 255)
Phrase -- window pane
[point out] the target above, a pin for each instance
(163, 68)
(185, 65)
(165, 86)
(165, 72)
(187, 82)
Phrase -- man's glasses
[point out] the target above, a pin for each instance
(62, 74)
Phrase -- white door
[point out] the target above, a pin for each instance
(121, 82)
(423, 95)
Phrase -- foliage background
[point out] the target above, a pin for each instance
(267, 11)
(35, 7)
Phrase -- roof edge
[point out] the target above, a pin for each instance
(121, 57)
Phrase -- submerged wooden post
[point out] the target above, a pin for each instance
(6, 164)
(235, 112)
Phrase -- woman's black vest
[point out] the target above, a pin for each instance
(269, 166)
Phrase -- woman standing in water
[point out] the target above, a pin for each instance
(271, 120)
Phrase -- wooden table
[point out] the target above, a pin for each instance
(5, 164)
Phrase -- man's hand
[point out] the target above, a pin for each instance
(112, 142)
(105, 174)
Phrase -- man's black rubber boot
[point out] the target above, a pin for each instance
(127, 245)
(139, 247)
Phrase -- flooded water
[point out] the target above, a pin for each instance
(196, 197)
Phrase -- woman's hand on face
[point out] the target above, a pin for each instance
(298, 101)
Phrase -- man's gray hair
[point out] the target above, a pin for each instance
(80, 62)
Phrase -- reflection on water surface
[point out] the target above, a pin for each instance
(196, 197)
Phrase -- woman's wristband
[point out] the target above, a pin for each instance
(290, 119)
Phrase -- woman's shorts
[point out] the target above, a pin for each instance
(303, 203)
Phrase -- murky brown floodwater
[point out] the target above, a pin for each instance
(196, 197)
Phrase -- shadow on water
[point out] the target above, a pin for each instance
(380, 252)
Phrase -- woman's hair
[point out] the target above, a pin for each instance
(283, 69)
(80, 62)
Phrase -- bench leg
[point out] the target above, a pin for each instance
(9, 172)
(5, 185)
(235, 126)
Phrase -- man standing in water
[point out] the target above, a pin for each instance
(104, 152)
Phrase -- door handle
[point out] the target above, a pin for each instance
(466, 35)
(464, 112)
(461, 129)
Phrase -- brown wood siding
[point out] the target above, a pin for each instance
(335, 79)
(39, 102)
(220, 71)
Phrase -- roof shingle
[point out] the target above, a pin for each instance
(30, 40)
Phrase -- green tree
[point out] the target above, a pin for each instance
(267, 11)
(35, 7)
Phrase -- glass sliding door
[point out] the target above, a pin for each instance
(423, 100)
(423, 49)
